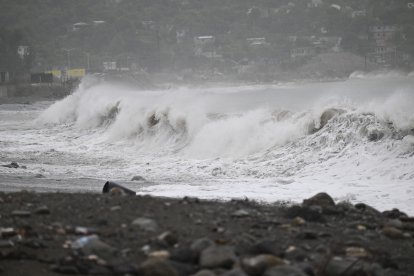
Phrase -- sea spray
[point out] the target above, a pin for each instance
(352, 139)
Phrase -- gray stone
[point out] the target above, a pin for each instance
(6, 244)
(266, 247)
(184, 255)
(115, 208)
(367, 209)
(7, 232)
(321, 199)
(392, 232)
(234, 272)
(394, 223)
(217, 256)
(350, 266)
(205, 272)
(42, 210)
(154, 267)
(66, 269)
(201, 244)
(294, 253)
(20, 213)
(309, 213)
(168, 237)
(394, 213)
(93, 245)
(258, 264)
(145, 224)
(241, 213)
(284, 270)
(182, 269)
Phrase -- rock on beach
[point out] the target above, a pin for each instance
(89, 234)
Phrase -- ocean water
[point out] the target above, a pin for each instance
(353, 139)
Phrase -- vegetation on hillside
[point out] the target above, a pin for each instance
(158, 34)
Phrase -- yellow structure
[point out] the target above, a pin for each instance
(76, 73)
(55, 73)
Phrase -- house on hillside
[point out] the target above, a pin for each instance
(180, 35)
(328, 43)
(256, 41)
(384, 49)
(204, 46)
(300, 52)
(98, 22)
(315, 4)
(79, 26)
(383, 34)
(5, 77)
(22, 51)
(359, 13)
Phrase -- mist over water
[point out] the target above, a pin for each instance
(353, 139)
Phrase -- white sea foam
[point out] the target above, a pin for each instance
(353, 139)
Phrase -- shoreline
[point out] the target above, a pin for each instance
(114, 234)
(38, 183)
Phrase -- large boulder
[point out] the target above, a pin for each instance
(321, 199)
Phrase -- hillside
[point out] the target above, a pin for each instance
(158, 34)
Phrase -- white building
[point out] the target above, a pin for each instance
(204, 46)
(22, 51)
(256, 41)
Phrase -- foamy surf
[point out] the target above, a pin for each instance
(352, 139)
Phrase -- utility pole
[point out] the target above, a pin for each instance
(68, 55)
(88, 62)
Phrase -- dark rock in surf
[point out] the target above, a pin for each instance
(321, 199)
(138, 178)
(114, 188)
(326, 116)
(152, 120)
(12, 165)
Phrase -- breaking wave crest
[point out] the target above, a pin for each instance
(212, 123)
